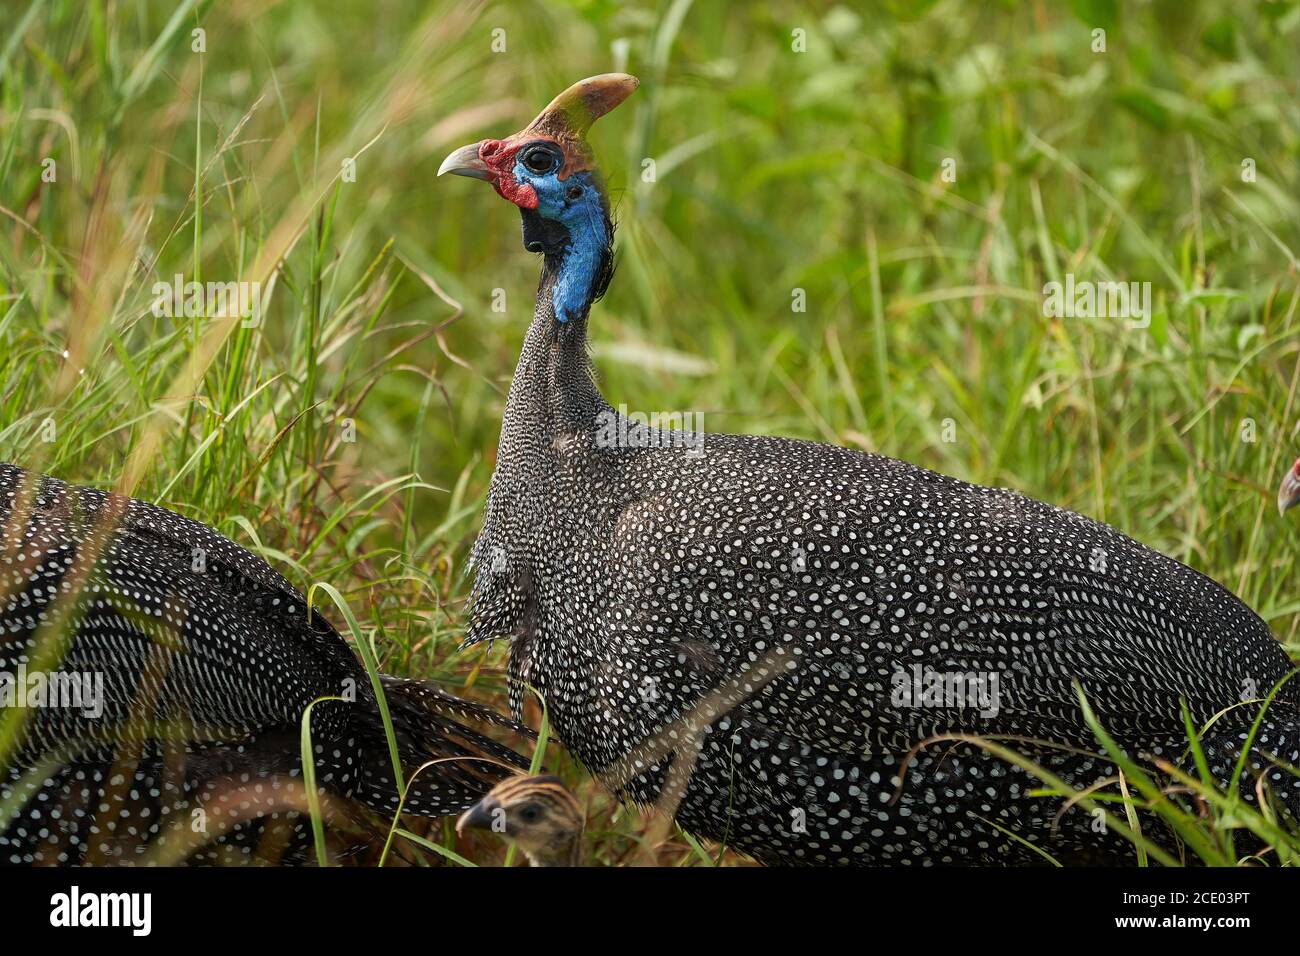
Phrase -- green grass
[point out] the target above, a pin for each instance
(775, 171)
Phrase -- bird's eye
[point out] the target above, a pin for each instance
(540, 160)
(530, 813)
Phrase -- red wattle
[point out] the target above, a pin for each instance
(521, 194)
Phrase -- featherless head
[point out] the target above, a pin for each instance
(1288, 493)
(539, 814)
(547, 169)
(533, 168)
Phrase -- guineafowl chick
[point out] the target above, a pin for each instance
(538, 814)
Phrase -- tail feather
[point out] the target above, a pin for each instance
(446, 733)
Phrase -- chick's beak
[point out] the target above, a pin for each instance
(466, 162)
(1288, 495)
(479, 816)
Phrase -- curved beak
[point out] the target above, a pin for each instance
(1288, 494)
(465, 162)
(479, 816)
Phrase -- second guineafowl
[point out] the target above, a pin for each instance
(635, 572)
(159, 673)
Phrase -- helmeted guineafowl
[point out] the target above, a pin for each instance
(634, 573)
(168, 721)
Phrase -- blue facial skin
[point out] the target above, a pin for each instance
(576, 204)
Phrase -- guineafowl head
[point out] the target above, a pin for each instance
(1288, 493)
(538, 813)
(548, 170)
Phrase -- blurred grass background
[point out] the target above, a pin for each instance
(775, 170)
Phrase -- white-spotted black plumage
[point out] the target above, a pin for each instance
(207, 659)
(633, 577)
